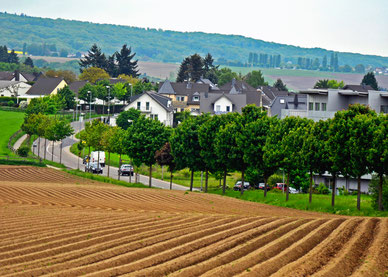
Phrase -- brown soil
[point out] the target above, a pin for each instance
(54, 223)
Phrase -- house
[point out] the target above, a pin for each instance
(20, 76)
(291, 101)
(208, 82)
(45, 86)
(153, 105)
(13, 88)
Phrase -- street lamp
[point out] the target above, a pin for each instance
(90, 104)
(131, 92)
(108, 87)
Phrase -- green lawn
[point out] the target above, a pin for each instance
(181, 177)
(10, 122)
(344, 205)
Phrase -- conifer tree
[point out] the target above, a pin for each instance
(94, 58)
(124, 62)
(370, 79)
(29, 62)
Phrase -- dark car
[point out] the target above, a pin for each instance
(237, 186)
(126, 169)
(93, 168)
(262, 186)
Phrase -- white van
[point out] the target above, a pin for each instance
(94, 157)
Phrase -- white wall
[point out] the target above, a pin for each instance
(223, 102)
(155, 108)
(21, 89)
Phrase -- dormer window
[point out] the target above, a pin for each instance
(196, 98)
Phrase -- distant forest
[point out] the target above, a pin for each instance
(59, 37)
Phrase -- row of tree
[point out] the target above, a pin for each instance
(118, 63)
(352, 144)
(264, 60)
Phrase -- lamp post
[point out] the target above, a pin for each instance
(90, 104)
(108, 87)
(131, 93)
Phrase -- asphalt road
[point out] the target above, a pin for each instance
(72, 161)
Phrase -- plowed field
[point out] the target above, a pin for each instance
(55, 224)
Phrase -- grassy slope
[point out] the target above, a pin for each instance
(344, 205)
(10, 122)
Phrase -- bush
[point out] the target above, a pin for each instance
(374, 189)
(11, 103)
(276, 178)
(322, 189)
(23, 151)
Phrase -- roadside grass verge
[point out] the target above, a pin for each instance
(21, 161)
(181, 177)
(10, 122)
(344, 205)
(103, 179)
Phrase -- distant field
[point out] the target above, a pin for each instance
(10, 122)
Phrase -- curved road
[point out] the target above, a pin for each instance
(72, 161)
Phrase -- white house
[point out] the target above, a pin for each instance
(13, 88)
(154, 106)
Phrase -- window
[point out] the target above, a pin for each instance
(218, 108)
(138, 105)
(228, 108)
(384, 109)
(311, 106)
(317, 106)
(195, 98)
(324, 107)
(282, 101)
(180, 98)
(147, 106)
(182, 109)
(154, 116)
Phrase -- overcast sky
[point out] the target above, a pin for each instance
(359, 26)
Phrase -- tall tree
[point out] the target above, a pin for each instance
(84, 94)
(280, 85)
(93, 74)
(164, 157)
(255, 79)
(370, 79)
(68, 97)
(183, 73)
(13, 57)
(143, 138)
(324, 62)
(4, 54)
(196, 67)
(125, 63)
(94, 58)
(29, 62)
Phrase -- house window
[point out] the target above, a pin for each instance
(147, 106)
(228, 108)
(218, 108)
(311, 106)
(154, 116)
(324, 107)
(196, 98)
(384, 109)
(317, 106)
(182, 109)
(282, 101)
(180, 98)
(138, 105)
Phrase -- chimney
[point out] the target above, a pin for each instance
(17, 75)
(189, 85)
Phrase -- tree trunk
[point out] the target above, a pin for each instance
(98, 159)
(359, 193)
(288, 186)
(224, 184)
(39, 147)
(52, 153)
(333, 192)
(45, 147)
(265, 186)
(192, 180)
(150, 177)
(380, 201)
(162, 173)
(108, 163)
(242, 182)
(60, 153)
(119, 167)
(171, 180)
(206, 179)
(311, 187)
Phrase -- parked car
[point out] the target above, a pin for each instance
(95, 155)
(93, 168)
(126, 169)
(261, 186)
(237, 186)
(280, 186)
(293, 191)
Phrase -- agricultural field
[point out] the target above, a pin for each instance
(10, 122)
(62, 225)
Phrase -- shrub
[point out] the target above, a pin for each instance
(322, 189)
(276, 178)
(374, 189)
(11, 103)
(23, 151)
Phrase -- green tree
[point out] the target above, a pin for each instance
(57, 131)
(68, 75)
(370, 79)
(360, 68)
(183, 72)
(125, 64)
(84, 94)
(68, 97)
(117, 142)
(326, 83)
(94, 58)
(13, 57)
(226, 75)
(108, 143)
(93, 74)
(280, 85)
(185, 145)
(255, 79)
(28, 62)
(126, 118)
(164, 157)
(121, 92)
(143, 138)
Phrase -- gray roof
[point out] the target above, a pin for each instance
(239, 101)
(162, 100)
(166, 88)
(76, 86)
(360, 88)
(207, 81)
(185, 88)
(6, 75)
(239, 86)
(44, 86)
(32, 77)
